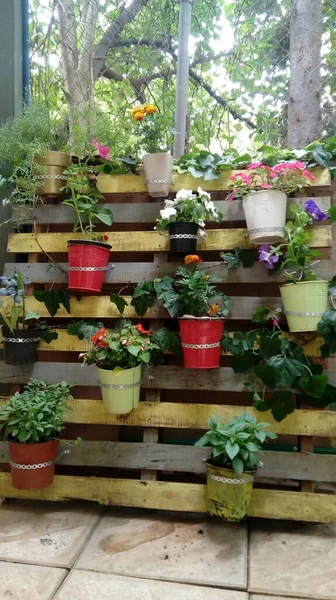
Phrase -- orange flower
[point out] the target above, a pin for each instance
(136, 109)
(150, 109)
(206, 277)
(142, 330)
(192, 258)
(139, 115)
(213, 310)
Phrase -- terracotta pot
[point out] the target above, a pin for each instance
(32, 454)
(158, 173)
(88, 263)
(201, 342)
(20, 346)
(54, 178)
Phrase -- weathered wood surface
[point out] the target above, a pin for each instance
(117, 184)
(134, 272)
(148, 212)
(150, 241)
(188, 459)
(185, 497)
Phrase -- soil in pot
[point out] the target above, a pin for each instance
(304, 304)
(183, 237)
(88, 263)
(23, 456)
(228, 496)
(54, 178)
(201, 342)
(20, 346)
(121, 391)
(158, 173)
(265, 213)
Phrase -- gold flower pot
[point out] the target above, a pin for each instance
(52, 177)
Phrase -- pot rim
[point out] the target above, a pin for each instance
(34, 444)
(192, 318)
(78, 242)
(120, 372)
(157, 153)
(254, 192)
(305, 282)
(183, 223)
(227, 468)
(33, 330)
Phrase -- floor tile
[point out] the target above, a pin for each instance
(44, 532)
(257, 597)
(170, 548)
(29, 582)
(83, 585)
(293, 559)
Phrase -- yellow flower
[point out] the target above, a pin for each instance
(136, 109)
(139, 115)
(150, 109)
(192, 258)
(205, 277)
(213, 310)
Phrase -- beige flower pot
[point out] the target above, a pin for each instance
(158, 173)
(265, 213)
(53, 180)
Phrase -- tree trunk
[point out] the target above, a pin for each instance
(304, 110)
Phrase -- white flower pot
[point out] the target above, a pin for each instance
(265, 213)
(158, 173)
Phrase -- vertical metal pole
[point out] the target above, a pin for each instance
(182, 81)
(25, 53)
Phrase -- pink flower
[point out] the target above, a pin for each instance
(275, 321)
(298, 164)
(258, 165)
(103, 151)
(232, 195)
(246, 178)
(308, 175)
(81, 356)
(265, 186)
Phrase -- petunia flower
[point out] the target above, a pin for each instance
(267, 257)
(103, 151)
(313, 210)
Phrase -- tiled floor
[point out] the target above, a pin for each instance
(80, 551)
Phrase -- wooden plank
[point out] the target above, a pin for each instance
(133, 272)
(188, 459)
(148, 212)
(150, 241)
(185, 497)
(195, 416)
(118, 184)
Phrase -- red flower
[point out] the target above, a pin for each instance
(105, 237)
(142, 330)
(98, 338)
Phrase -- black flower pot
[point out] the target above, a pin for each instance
(183, 237)
(20, 346)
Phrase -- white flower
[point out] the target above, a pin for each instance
(203, 193)
(166, 213)
(169, 203)
(211, 207)
(184, 195)
(5, 202)
(201, 233)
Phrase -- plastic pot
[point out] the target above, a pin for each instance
(183, 237)
(201, 342)
(304, 304)
(121, 391)
(20, 346)
(158, 173)
(88, 263)
(54, 179)
(40, 459)
(228, 496)
(265, 213)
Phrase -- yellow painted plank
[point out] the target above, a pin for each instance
(149, 241)
(196, 416)
(166, 495)
(118, 184)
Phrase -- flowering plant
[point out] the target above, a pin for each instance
(190, 292)
(126, 347)
(189, 208)
(114, 165)
(286, 176)
(151, 128)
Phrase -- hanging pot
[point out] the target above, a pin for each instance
(183, 237)
(304, 304)
(53, 179)
(158, 173)
(228, 496)
(32, 465)
(20, 346)
(265, 213)
(120, 391)
(201, 342)
(88, 263)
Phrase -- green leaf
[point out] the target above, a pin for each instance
(268, 375)
(134, 350)
(84, 330)
(232, 450)
(238, 466)
(332, 213)
(53, 299)
(105, 216)
(119, 301)
(144, 297)
(31, 314)
(314, 385)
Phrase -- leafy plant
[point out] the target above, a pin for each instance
(189, 208)
(236, 444)
(207, 165)
(53, 300)
(36, 415)
(84, 330)
(246, 258)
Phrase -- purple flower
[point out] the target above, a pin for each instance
(313, 210)
(267, 257)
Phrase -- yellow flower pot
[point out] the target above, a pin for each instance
(228, 496)
(120, 391)
(304, 304)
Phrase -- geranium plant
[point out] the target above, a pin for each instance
(188, 207)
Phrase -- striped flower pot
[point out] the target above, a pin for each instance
(120, 391)
(304, 304)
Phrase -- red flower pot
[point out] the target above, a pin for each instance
(88, 263)
(201, 342)
(32, 454)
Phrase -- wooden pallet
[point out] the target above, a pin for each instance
(164, 470)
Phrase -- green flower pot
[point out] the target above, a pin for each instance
(228, 496)
(121, 391)
(304, 304)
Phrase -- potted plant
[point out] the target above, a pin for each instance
(22, 330)
(231, 469)
(88, 258)
(304, 296)
(158, 165)
(185, 217)
(32, 422)
(192, 296)
(264, 191)
(119, 356)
